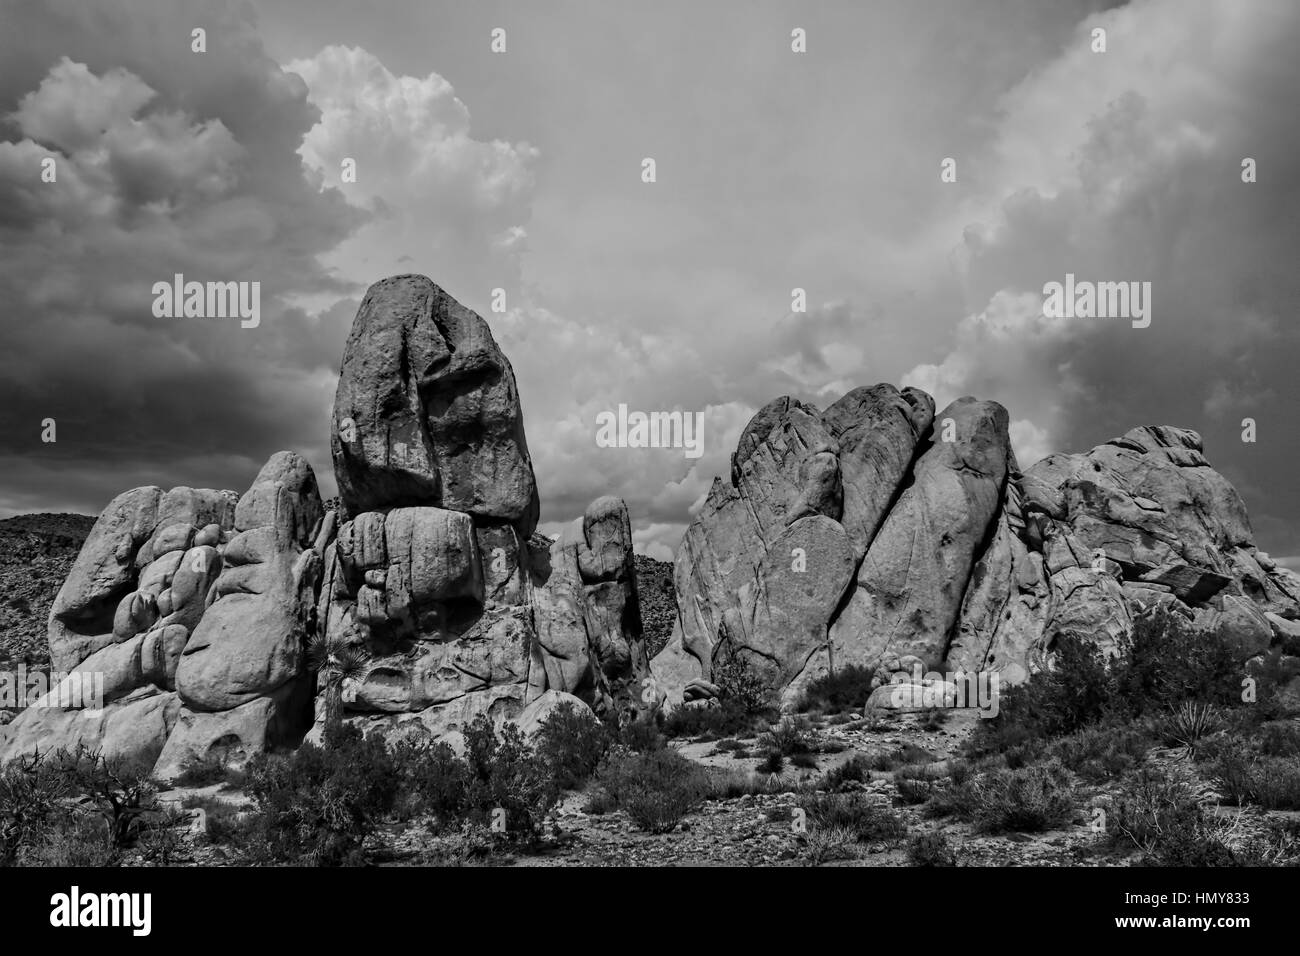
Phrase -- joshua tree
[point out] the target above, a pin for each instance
(335, 663)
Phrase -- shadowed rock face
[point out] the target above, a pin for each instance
(427, 411)
(956, 560)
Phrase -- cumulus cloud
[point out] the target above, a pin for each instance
(161, 167)
(1127, 166)
(455, 205)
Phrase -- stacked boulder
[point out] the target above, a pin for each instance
(437, 577)
(195, 609)
(883, 535)
(1143, 520)
(184, 614)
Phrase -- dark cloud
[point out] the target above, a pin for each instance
(168, 161)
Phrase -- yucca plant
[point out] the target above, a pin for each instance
(336, 663)
(1192, 722)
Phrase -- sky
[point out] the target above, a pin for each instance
(522, 170)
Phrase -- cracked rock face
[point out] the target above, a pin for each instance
(957, 561)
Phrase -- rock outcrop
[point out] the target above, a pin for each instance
(194, 609)
(427, 411)
(185, 606)
(434, 576)
(878, 533)
(881, 534)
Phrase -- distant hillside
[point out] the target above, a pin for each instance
(36, 552)
(654, 585)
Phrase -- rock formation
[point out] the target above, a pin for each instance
(196, 607)
(190, 606)
(876, 533)
(437, 575)
(881, 534)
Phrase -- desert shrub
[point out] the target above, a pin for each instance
(741, 683)
(1022, 755)
(1190, 723)
(773, 763)
(1272, 673)
(1159, 816)
(934, 719)
(952, 800)
(318, 804)
(1163, 664)
(804, 761)
(1277, 845)
(203, 771)
(725, 717)
(600, 802)
(1075, 692)
(931, 849)
(729, 746)
(1166, 662)
(74, 839)
(49, 802)
(856, 769)
(870, 820)
(1102, 752)
(914, 785)
(505, 773)
(912, 791)
(1280, 740)
(1230, 772)
(1028, 800)
(225, 825)
(729, 784)
(163, 840)
(840, 692)
(1276, 783)
(119, 790)
(791, 735)
(656, 789)
(1270, 782)
(434, 780)
(31, 794)
(641, 735)
(960, 771)
(905, 755)
(471, 844)
(826, 844)
(571, 743)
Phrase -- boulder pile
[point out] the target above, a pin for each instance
(883, 535)
(198, 606)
